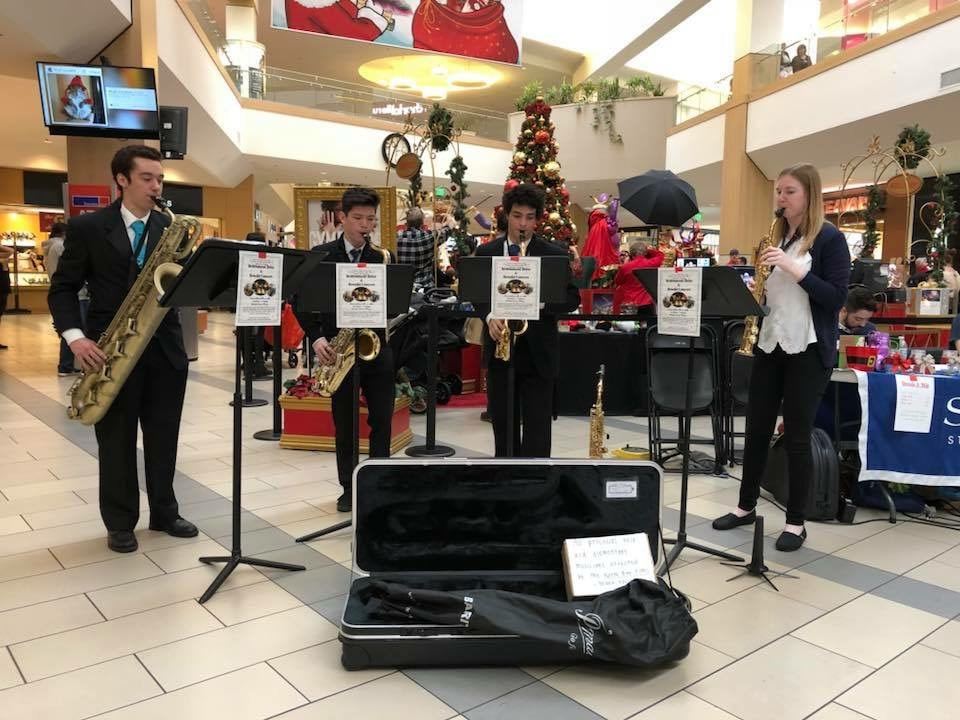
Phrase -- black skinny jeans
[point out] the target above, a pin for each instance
(798, 381)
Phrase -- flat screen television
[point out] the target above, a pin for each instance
(99, 101)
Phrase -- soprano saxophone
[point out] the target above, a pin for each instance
(134, 324)
(595, 447)
(751, 326)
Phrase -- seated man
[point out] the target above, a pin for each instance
(856, 313)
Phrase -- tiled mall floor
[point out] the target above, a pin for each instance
(867, 629)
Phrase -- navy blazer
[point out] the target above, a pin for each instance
(826, 285)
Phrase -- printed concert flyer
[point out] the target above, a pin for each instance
(259, 288)
(678, 301)
(515, 288)
(361, 295)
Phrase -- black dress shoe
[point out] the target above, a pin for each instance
(731, 520)
(178, 528)
(345, 503)
(788, 541)
(122, 541)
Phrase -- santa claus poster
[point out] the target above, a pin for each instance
(481, 29)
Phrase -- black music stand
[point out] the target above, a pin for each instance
(319, 295)
(209, 278)
(274, 433)
(430, 447)
(724, 295)
(475, 272)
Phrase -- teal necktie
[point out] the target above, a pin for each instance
(138, 228)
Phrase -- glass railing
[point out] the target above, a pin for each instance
(357, 100)
(697, 99)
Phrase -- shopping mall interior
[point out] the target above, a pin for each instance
(265, 111)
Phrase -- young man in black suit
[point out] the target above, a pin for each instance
(99, 250)
(535, 351)
(358, 215)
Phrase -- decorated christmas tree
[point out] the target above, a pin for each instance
(535, 161)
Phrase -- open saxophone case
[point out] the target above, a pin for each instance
(459, 562)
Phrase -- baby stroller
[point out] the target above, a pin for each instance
(408, 340)
(291, 335)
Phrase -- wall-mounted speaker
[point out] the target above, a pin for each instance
(173, 132)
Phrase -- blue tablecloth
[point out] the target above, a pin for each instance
(909, 457)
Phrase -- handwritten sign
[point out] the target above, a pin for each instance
(595, 565)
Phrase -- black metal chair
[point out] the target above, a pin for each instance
(667, 365)
(736, 386)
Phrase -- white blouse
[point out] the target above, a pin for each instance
(790, 322)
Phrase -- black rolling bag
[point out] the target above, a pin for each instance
(462, 565)
(824, 500)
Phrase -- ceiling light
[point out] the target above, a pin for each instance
(402, 83)
(470, 81)
(434, 92)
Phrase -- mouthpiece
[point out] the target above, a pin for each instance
(162, 203)
(779, 212)
(522, 235)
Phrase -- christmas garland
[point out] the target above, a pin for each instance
(870, 235)
(440, 124)
(458, 189)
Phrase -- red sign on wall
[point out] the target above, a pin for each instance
(47, 219)
(87, 198)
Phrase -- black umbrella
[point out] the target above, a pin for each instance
(643, 624)
(658, 197)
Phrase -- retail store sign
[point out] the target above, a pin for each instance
(87, 198)
(857, 203)
(47, 219)
(399, 109)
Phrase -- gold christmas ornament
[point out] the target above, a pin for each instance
(528, 132)
(551, 169)
(554, 217)
(520, 157)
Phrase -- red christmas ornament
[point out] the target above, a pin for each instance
(542, 137)
(510, 185)
(564, 193)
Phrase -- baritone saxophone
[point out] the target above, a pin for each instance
(134, 324)
(598, 435)
(751, 323)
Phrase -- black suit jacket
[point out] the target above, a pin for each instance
(317, 325)
(97, 251)
(826, 285)
(541, 337)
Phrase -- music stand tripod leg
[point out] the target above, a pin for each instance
(355, 460)
(681, 541)
(236, 556)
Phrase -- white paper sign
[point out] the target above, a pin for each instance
(595, 565)
(361, 295)
(678, 301)
(914, 403)
(515, 288)
(259, 288)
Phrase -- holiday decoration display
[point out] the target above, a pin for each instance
(535, 161)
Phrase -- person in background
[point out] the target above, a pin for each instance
(854, 318)
(951, 277)
(52, 250)
(734, 257)
(802, 60)
(797, 346)
(627, 289)
(5, 255)
(416, 246)
(743, 260)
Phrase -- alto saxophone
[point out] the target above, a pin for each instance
(511, 327)
(134, 324)
(328, 378)
(595, 448)
(751, 326)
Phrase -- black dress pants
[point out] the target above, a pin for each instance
(532, 408)
(797, 382)
(152, 397)
(378, 387)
